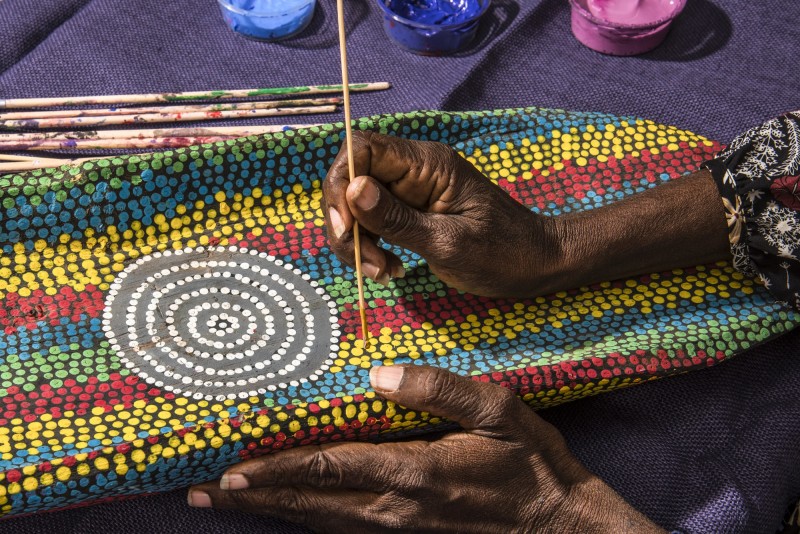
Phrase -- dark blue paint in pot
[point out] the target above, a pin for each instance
(268, 20)
(432, 27)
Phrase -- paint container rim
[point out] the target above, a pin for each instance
(485, 4)
(607, 24)
(250, 12)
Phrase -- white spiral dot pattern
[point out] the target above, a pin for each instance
(220, 323)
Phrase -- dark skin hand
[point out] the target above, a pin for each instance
(425, 197)
(508, 470)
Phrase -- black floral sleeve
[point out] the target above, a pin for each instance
(758, 176)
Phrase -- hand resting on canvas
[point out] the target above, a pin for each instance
(507, 471)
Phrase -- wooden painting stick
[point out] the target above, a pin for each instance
(362, 306)
(119, 144)
(228, 106)
(182, 97)
(226, 131)
(33, 165)
(79, 122)
(27, 159)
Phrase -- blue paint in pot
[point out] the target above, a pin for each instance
(432, 27)
(268, 20)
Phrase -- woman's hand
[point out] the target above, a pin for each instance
(507, 471)
(475, 237)
(426, 198)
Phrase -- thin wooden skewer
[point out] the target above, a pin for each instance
(237, 131)
(362, 306)
(28, 159)
(78, 122)
(127, 139)
(185, 96)
(228, 106)
(36, 164)
(119, 144)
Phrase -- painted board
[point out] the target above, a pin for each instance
(170, 314)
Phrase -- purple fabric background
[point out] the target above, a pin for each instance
(713, 451)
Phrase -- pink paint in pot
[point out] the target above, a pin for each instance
(623, 27)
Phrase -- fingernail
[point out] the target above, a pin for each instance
(336, 222)
(371, 271)
(386, 377)
(399, 272)
(234, 481)
(199, 499)
(366, 195)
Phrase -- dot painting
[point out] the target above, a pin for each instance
(218, 323)
(170, 314)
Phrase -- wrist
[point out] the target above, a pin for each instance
(604, 510)
(546, 258)
(677, 224)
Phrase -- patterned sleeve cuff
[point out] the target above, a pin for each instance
(758, 177)
(732, 202)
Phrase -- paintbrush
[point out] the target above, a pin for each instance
(186, 96)
(114, 120)
(205, 131)
(227, 106)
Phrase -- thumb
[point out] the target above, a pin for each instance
(382, 213)
(473, 405)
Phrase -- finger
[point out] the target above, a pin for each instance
(377, 263)
(383, 214)
(338, 219)
(476, 406)
(416, 171)
(310, 506)
(344, 466)
(334, 187)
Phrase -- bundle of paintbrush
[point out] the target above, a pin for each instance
(62, 124)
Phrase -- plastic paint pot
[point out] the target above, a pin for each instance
(432, 27)
(623, 27)
(268, 20)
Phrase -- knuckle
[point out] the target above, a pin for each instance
(397, 220)
(322, 470)
(416, 480)
(294, 506)
(326, 186)
(506, 401)
(443, 155)
(501, 407)
(396, 512)
(437, 384)
(410, 474)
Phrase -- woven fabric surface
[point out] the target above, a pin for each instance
(708, 452)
